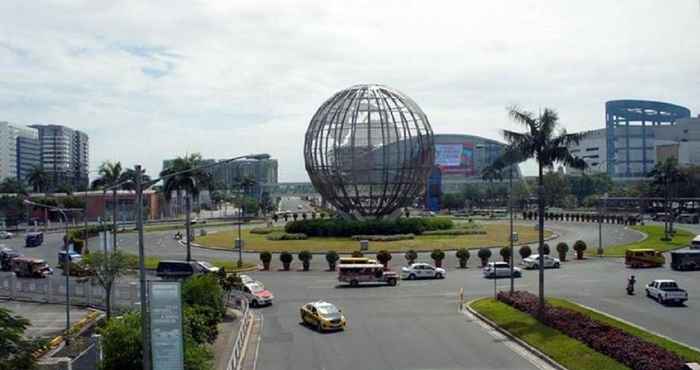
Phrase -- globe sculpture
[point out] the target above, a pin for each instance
(368, 151)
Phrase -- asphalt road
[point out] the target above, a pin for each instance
(294, 204)
(415, 325)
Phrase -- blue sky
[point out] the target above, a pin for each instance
(149, 80)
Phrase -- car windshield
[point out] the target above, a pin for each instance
(669, 285)
(327, 309)
(256, 288)
(206, 264)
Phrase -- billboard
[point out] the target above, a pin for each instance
(166, 325)
(455, 159)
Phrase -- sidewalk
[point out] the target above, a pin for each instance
(228, 330)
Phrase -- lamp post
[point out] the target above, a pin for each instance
(512, 233)
(140, 187)
(66, 262)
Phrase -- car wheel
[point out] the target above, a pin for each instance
(648, 295)
(392, 282)
(254, 303)
(411, 277)
(556, 265)
(438, 276)
(353, 282)
(517, 274)
(536, 266)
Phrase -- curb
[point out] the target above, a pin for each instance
(510, 336)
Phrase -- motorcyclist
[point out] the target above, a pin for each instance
(630, 285)
(178, 235)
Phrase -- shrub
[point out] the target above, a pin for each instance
(384, 238)
(437, 255)
(484, 254)
(563, 249)
(411, 256)
(505, 253)
(463, 256)
(579, 247)
(285, 236)
(456, 232)
(305, 258)
(265, 257)
(332, 258)
(525, 251)
(384, 257)
(357, 254)
(286, 258)
(545, 249)
(204, 290)
(263, 230)
(338, 227)
(623, 347)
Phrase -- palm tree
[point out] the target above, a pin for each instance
(190, 182)
(542, 142)
(666, 176)
(110, 175)
(38, 179)
(491, 173)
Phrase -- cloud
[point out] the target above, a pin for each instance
(151, 80)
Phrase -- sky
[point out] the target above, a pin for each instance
(149, 80)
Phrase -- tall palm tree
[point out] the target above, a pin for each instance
(666, 176)
(190, 182)
(110, 175)
(547, 146)
(38, 179)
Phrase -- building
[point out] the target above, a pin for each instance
(64, 155)
(19, 150)
(462, 158)
(637, 135)
(229, 175)
(8, 151)
(28, 152)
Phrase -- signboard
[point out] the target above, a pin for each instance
(166, 325)
(455, 158)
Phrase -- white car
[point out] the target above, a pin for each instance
(422, 271)
(533, 262)
(666, 291)
(257, 295)
(246, 279)
(208, 267)
(500, 269)
(6, 235)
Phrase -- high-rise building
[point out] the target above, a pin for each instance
(28, 152)
(64, 155)
(19, 150)
(8, 151)
(228, 175)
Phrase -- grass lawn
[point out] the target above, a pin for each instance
(655, 233)
(682, 351)
(569, 352)
(496, 235)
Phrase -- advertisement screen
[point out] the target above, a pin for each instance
(455, 159)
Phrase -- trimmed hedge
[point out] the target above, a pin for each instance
(625, 348)
(286, 236)
(455, 232)
(263, 230)
(384, 238)
(338, 227)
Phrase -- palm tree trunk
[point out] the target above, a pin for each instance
(108, 300)
(114, 220)
(540, 249)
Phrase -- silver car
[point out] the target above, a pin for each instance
(500, 269)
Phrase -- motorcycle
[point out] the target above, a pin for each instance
(630, 286)
(178, 236)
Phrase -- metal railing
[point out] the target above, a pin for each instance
(234, 362)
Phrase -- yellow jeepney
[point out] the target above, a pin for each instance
(644, 257)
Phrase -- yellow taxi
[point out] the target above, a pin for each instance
(323, 316)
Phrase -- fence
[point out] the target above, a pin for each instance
(234, 362)
(83, 292)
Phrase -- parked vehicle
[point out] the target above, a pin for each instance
(687, 218)
(533, 262)
(695, 243)
(422, 271)
(179, 269)
(208, 266)
(256, 294)
(6, 235)
(500, 269)
(643, 257)
(323, 316)
(666, 291)
(6, 255)
(685, 259)
(30, 267)
(33, 239)
(369, 272)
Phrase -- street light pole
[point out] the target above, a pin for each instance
(510, 207)
(188, 224)
(142, 272)
(240, 240)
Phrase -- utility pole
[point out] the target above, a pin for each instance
(512, 234)
(188, 224)
(145, 337)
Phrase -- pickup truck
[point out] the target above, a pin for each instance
(666, 291)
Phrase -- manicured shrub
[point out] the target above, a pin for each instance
(463, 256)
(545, 249)
(305, 258)
(286, 236)
(384, 238)
(437, 255)
(525, 251)
(332, 258)
(623, 347)
(411, 256)
(266, 257)
(357, 254)
(384, 257)
(262, 230)
(563, 249)
(286, 259)
(505, 253)
(339, 227)
(580, 247)
(484, 254)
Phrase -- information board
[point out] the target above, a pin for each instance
(165, 305)
(448, 154)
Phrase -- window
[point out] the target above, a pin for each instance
(591, 149)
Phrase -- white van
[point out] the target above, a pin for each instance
(695, 243)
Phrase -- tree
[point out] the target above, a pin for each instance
(12, 185)
(108, 268)
(332, 257)
(384, 257)
(542, 142)
(15, 349)
(556, 189)
(463, 256)
(305, 258)
(588, 185)
(452, 201)
(484, 254)
(38, 179)
(411, 256)
(110, 175)
(473, 195)
(437, 255)
(666, 177)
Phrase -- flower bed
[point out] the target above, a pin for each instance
(384, 238)
(623, 347)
